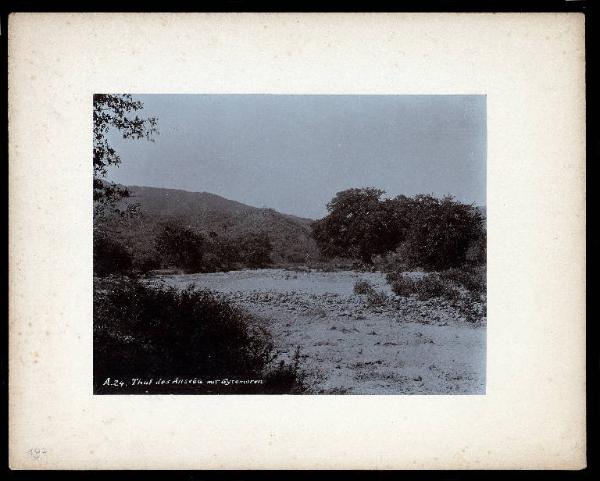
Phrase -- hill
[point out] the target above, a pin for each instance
(211, 215)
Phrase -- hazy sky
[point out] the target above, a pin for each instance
(294, 152)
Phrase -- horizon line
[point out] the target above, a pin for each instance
(277, 210)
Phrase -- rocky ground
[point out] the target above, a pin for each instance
(353, 344)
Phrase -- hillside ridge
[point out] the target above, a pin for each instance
(205, 195)
(211, 215)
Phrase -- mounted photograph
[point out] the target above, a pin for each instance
(289, 244)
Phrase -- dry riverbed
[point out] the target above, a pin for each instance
(347, 345)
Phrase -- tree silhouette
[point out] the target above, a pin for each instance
(428, 232)
(359, 225)
(441, 232)
(180, 247)
(117, 112)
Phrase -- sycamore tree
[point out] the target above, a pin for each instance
(180, 247)
(117, 113)
(359, 224)
(425, 231)
(442, 232)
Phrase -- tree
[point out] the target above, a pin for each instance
(359, 224)
(255, 249)
(426, 231)
(110, 256)
(180, 247)
(220, 253)
(114, 112)
(441, 231)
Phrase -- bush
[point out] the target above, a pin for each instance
(476, 253)
(146, 262)
(391, 262)
(211, 262)
(180, 247)
(375, 298)
(286, 377)
(424, 231)
(473, 279)
(464, 288)
(221, 254)
(427, 287)
(255, 249)
(433, 285)
(149, 332)
(332, 264)
(401, 284)
(362, 287)
(441, 231)
(359, 224)
(110, 256)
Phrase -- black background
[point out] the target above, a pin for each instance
(593, 150)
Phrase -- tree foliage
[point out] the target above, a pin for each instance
(115, 112)
(110, 256)
(147, 329)
(359, 224)
(424, 231)
(220, 254)
(255, 249)
(180, 247)
(441, 231)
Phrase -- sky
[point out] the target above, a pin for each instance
(293, 153)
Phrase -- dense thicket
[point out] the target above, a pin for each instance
(110, 257)
(156, 332)
(180, 247)
(440, 233)
(359, 224)
(421, 231)
(184, 249)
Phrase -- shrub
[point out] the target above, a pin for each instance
(110, 256)
(359, 224)
(433, 285)
(401, 284)
(296, 254)
(286, 377)
(391, 262)
(146, 262)
(221, 254)
(375, 298)
(441, 231)
(427, 287)
(476, 253)
(211, 262)
(255, 249)
(147, 331)
(425, 231)
(362, 287)
(333, 264)
(180, 247)
(473, 279)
